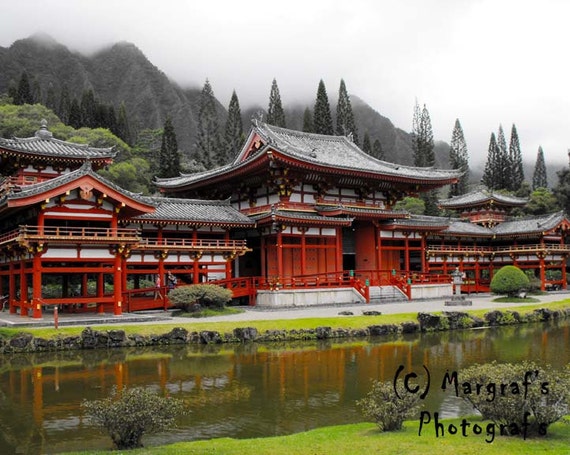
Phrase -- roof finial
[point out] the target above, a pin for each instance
(43, 132)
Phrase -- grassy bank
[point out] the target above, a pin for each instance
(346, 322)
(364, 438)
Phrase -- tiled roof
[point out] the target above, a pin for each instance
(466, 228)
(303, 217)
(193, 210)
(537, 224)
(44, 144)
(330, 151)
(362, 210)
(482, 196)
(422, 220)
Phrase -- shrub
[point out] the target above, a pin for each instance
(504, 398)
(509, 280)
(127, 414)
(387, 410)
(206, 295)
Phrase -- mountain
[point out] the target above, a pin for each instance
(122, 73)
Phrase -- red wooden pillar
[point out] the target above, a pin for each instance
(37, 285)
(12, 287)
(118, 285)
(423, 253)
(339, 249)
(23, 289)
(196, 264)
(230, 257)
(100, 292)
(263, 252)
(542, 273)
(279, 255)
(303, 251)
(407, 252)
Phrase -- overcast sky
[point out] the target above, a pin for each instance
(486, 62)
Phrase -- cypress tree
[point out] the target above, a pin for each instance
(13, 91)
(322, 119)
(123, 126)
(515, 157)
(490, 177)
(108, 117)
(88, 109)
(275, 113)
(208, 139)
(169, 165)
(422, 138)
(50, 101)
(502, 163)
(459, 159)
(366, 146)
(233, 136)
(377, 151)
(24, 93)
(539, 179)
(345, 124)
(75, 114)
(308, 126)
(64, 105)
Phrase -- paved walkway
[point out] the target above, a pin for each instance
(258, 314)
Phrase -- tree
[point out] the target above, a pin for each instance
(459, 160)
(366, 147)
(50, 101)
(423, 148)
(275, 112)
(509, 280)
(233, 135)
(377, 151)
(64, 105)
(128, 414)
(345, 123)
(24, 93)
(308, 126)
(88, 109)
(123, 125)
(169, 165)
(515, 158)
(414, 205)
(490, 177)
(74, 119)
(542, 201)
(502, 164)
(539, 179)
(322, 119)
(208, 139)
(562, 189)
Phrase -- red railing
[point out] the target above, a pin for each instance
(205, 244)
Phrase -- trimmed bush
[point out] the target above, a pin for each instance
(128, 414)
(524, 398)
(385, 408)
(509, 280)
(205, 295)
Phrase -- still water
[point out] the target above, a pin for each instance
(247, 390)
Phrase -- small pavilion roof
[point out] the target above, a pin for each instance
(194, 211)
(481, 197)
(44, 145)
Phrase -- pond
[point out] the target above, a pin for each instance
(250, 390)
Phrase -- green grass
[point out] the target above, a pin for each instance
(346, 322)
(364, 438)
(209, 312)
(516, 300)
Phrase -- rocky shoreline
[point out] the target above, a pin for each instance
(25, 342)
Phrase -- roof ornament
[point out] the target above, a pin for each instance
(350, 137)
(257, 118)
(43, 132)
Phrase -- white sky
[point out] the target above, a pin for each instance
(486, 62)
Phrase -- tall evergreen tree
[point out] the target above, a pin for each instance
(88, 109)
(208, 140)
(459, 159)
(233, 135)
(169, 165)
(123, 125)
(377, 151)
(502, 162)
(74, 119)
(36, 92)
(275, 112)
(345, 123)
(515, 159)
(490, 178)
(562, 189)
(366, 145)
(64, 105)
(308, 126)
(24, 94)
(539, 178)
(50, 101)
(322, 119)
(422, 138)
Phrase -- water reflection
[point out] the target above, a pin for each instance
(247, 390)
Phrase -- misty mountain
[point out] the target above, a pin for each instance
(122, 73)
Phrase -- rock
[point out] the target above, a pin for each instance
(245, 333)
(430, 322)
(177, 335)
(410, 327)
(371, 313)
(323, 333)
(345, 313)
(210, 337)
(21, 341)
(384, 329)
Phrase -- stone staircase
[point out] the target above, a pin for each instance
(379, 294)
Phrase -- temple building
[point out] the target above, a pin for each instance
(294, 219)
